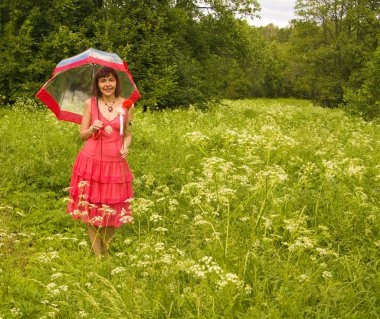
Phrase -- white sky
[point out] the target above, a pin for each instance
(278, 12)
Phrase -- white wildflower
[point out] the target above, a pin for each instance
(195, 138)
(173, 204)
(83, 184)
(142, 206)
(56, 275)
(97, 220)
(167, 259)
(326, 252)
(117, 270)
(16, 312)
(326, 275)
(161, 191)
(247, 289)
(355, 170)
(229, 278)
(267, 223)
(63, 288)
(53, 289)
(159, 247)
(273, 175)
(304, 242)
(47, 257)
(323, 227)
(83, 243)
(126, 219)
(155, 218)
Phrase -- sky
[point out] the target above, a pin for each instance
(278, 12)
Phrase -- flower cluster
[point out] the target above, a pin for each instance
(207, 268)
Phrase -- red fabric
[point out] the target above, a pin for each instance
(48, 100)
(136, 94)
(101, 177)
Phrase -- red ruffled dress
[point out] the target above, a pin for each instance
(101, 184)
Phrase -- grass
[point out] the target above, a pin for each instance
(251, 209)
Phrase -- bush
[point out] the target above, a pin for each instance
(366, 100)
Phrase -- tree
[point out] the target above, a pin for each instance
(365, 101)
(34, 36)
(345, 37)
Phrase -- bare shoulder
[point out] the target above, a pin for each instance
(87, 106)
(87, 102)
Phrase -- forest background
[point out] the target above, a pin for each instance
(185, 52)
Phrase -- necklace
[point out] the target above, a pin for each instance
(110, 107)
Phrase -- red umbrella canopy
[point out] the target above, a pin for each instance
(71, 83)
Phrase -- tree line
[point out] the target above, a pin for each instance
(183, 52)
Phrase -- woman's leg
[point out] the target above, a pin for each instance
(106, 234)
(95, 238)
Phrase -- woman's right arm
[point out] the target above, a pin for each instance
(86, 128)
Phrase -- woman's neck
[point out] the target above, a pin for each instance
(108, 99)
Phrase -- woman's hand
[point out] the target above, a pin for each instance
(124, 151)
(97, 125)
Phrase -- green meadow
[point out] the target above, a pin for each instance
(249, 209)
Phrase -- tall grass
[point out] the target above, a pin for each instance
(251, 209)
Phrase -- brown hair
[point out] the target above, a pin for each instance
(103, 73)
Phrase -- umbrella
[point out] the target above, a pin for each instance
(71, 82)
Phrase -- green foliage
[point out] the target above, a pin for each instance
(332, 43)
(184, 53)
(366, 100)
(169, 47)
(35, 36)
(251, 209)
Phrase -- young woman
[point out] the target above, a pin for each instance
(101, 183)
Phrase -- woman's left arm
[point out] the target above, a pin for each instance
(127, 135)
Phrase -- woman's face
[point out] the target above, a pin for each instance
(107, 85)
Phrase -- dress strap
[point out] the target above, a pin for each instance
(95, 116)
(94, 109)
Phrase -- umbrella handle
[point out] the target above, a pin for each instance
(121, 124)
(96, 135)
(121, 117)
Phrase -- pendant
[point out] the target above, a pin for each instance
(110, 107)
(108, 129)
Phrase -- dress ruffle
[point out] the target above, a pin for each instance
(100, 192)
(97, 192)
(102, 171)
(115, 215)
